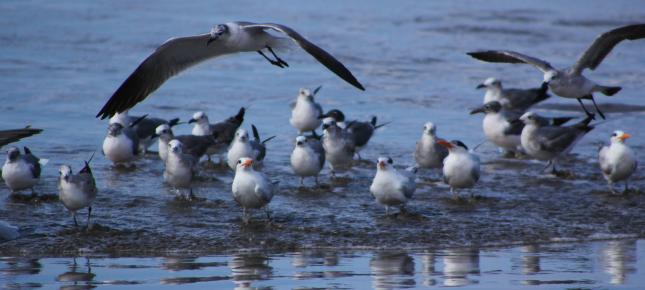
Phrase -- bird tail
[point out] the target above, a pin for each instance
(268, 139)
(86, 168)
(381, 125)
(584, 124)
(173, 122)
(609, 91)
(557, 121)
(240, 115)
(256, 134)
(137, 121)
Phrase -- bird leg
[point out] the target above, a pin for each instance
(387, 210)
(74, 216)
(273, 62)
(191, 196)
(359, 155)
(316, 178)
(585, 109)
(611, 188)
(302, 181)
(626, 187)
(454, 193)
(268, 213)
(277, 57)
(590, 97)
(245, 216)
(89, 213)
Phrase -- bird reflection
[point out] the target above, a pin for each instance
(392, 270)
(530, 259)
(179, 264)
(16, 266)
(308, 258)
(428, 270)
(458, 264)
(81, 276)
(618, 259)
(246, 268)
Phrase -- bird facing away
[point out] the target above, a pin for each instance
(224, 130)
(145, 128)
(339, 146)
(391, 187)
(21, 171)
(243, 146)
(179, 168)
(13, 135)
(617, 161)
(307, 158)
(77, 191)
(179, 54)
(550, 142)
(251, 189)
(569, 82)
(513, 99)
(305, 112)
(429, 154)
(460, 168)
(196, 146)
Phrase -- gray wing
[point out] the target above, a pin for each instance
(604, 43)
(408, 186)
(318, 148)
(507, 56)
(147, 126)
(556, 139)
(87, 184)
(602, 160)
(318, 108)
(196, 145)
(259, 148)
(171, 58)
(318, 53)
(132, 135)
(34, 165)
(361, 132)
(10, 136)
(522, 99)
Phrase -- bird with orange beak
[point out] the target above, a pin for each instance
(460, 168)
(391, 187)
(251, 189)
(617, 161)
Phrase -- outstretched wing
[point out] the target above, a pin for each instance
(171, 58)
(10, 136)
(508, 56)
(604, 43)
(318, 53)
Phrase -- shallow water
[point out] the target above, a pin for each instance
(599, 265)
(61, 61)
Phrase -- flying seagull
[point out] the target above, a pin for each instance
(178, 54)
(569, 82)
(13, 135)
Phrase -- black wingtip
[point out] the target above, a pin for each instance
(256, 135)
(27, 151)
(268, 139)
(173, 122)
(240, 114)
(137, 121)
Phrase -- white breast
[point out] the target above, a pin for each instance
(118, 149)
(17, 175)
(304, 116)
(72, 197)
(304, 162)
(237, 151)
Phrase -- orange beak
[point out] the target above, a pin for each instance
(445, 143)
(381, 164)
(247, 163)
(625, 136)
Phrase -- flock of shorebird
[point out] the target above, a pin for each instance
(507, 123)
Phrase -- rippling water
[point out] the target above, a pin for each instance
(60, 61)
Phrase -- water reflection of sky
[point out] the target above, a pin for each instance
(606, 264)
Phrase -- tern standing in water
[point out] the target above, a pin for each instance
(307, 158)
(460, 168)
(179, 169)
(305, 112)
(391, 187)
(242, 146)
(339, 146)
(77, 191)
(251, 189)
(617, 161)
(428, 153)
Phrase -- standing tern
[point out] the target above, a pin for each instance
(339, 146)
(361, 132)
(569, 82)
(13, 135)
(77, 191)
(428, 153)
(21, 171)
(513, 99)
(460, 168)
(307, 158)
(196, 146)
(179, 168)
(225, 130)
(617, 161)
(251, 189)
(242, 146)
(145, 128)
(305, 112)
(503, 128)
(550, 142)
(178, 54)
(391, 187)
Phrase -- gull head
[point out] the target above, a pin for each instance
(115, 129)
(530, 118)
(383, 163)
(329, 122)
(242, 135)
(217, 32)
(13, 153)
(430, 129)
(305, 94)
(551, 75)
(619, 136)
(162, 130)
(336, 114)
(454, 145)
(199, 117)
(490, 83)
(65, 172)
(176, 146)
(301, 140)
(490, 107)
(245, 163)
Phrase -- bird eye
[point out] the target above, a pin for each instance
(613, 135)
(389, 160)
(239, 161)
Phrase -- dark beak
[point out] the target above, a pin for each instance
(481, 86)
(192, 121)
(545, 86)
(477, 110)
(325, 126)
(323, 116)
(154, 135)
(516, 121)
(298, 143)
